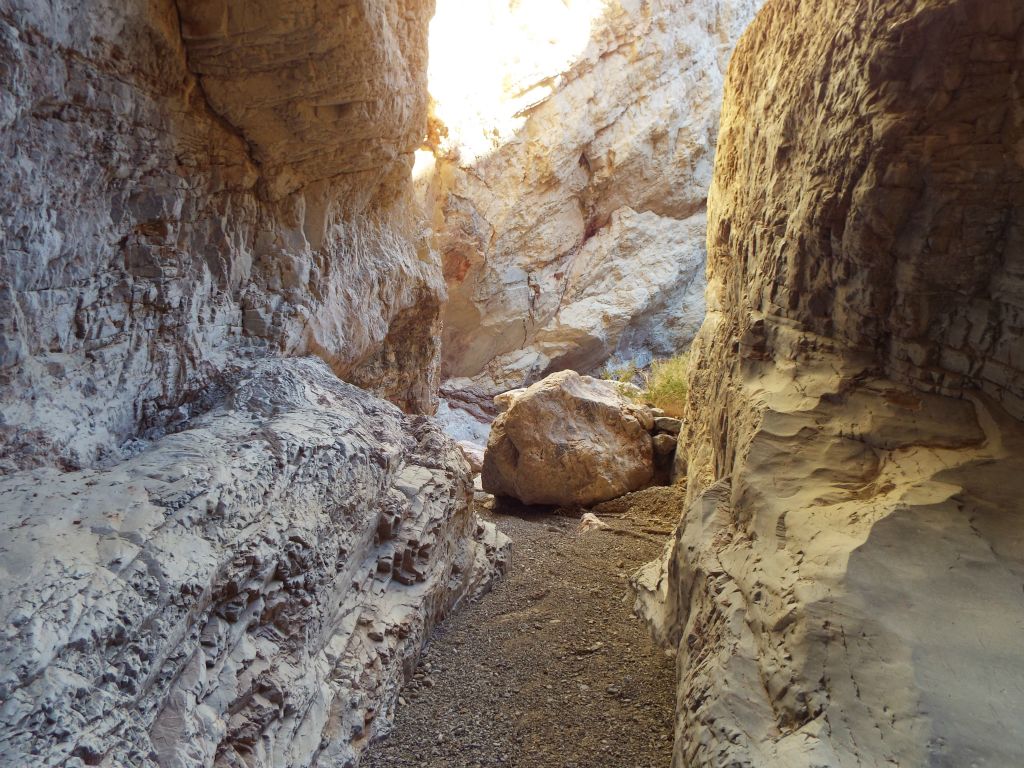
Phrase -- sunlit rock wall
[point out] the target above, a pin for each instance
(844, 588)
(215, 551)
(250, 591)
(188, 187)
(574, 152)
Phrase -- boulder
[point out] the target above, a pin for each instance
(504, 400)
(664, 444)
(568, 440)
(668, 425)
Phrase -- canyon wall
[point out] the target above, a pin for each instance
(217, 552)
(844, 588)
(250, 591)
(568, 199)
(191, 186)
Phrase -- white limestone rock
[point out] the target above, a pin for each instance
(158, 223)
(247, 591)
(576, 235)
(568, 440)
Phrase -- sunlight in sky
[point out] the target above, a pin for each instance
(490, 59)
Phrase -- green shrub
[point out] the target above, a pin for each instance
(663, 384)
(666, 384)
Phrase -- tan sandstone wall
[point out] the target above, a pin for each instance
(844, 586)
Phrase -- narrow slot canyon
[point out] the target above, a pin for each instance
(522, 383)
(551, 667)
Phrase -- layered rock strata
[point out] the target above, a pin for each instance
(249, 591)
(576, 234)
(217, 556)
(844, 587)
(188, 185)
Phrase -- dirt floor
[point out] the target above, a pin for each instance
(550, 669)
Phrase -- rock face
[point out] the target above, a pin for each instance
(328, 92)
(214, 555)
(844, 588)
(244, 592)
(569, 440)
(575, 232)
(172, 206)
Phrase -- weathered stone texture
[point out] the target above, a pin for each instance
(157, 225)
(580, 238)
(213, 555)
(844, 588)
(871, 181)
(317, 90)
(569, 440)
(244, 592)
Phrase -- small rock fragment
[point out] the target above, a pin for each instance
(668, 424)
(664, 444)
(591, 522)
(474, 454)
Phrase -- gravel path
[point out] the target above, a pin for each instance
(550, 670)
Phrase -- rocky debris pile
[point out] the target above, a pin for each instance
(249, 590)
(572, 440)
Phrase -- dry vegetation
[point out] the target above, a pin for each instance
(663, 384)
(666, 384)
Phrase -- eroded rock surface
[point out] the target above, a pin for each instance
(249, 591)
(844, 587)
(569, 440)
(327, 91)
(575, 233)
(217, 553)
(160, 222)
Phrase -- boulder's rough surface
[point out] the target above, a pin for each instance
(568, 440)
(170, 206)
(244, 592)
(845, 586)
(665, 444)
(576, 233)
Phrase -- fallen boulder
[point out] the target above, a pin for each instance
(668, 425)
(664, 444)
(569, 440)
